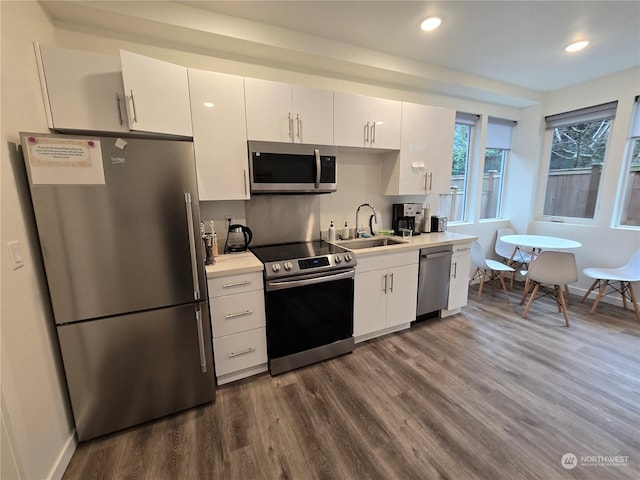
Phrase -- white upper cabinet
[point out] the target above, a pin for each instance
(157, 95)
(280, 112)
(219, 135)
(83, 90)
(102, 93)
(361, 121)
(423, 165)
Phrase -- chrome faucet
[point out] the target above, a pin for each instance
(358, 230)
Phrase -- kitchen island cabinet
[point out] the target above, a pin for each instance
(280, 112)
(219, 135)
(370, 122)
(386, 286)
(423, 164)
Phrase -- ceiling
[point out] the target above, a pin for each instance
(502, 51)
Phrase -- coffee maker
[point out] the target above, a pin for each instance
(406, 217)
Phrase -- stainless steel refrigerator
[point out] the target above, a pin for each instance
(118, 221)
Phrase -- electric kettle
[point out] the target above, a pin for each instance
(238, 239)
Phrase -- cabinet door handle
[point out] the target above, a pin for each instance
(455, 270)
(366, 133)
(239, 314)
(385, 284)
(290, 120)
(119, 108)
(133, 105)
(426, 175)
(242, 352)
(373, 133)
(298, 125)
(391, 288)
(236, 284)
(244, 179)
(431, 181)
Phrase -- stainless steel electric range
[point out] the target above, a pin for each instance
(309, 302)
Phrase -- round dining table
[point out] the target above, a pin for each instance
(541, 242)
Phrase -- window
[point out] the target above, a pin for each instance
(453, 204)
(578, 149)
(631, 192)
(497, 149)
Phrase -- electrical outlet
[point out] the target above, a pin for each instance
(228, 219)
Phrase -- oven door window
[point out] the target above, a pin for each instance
(306, 317)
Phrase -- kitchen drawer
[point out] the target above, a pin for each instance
(386, 260)
(237, 313)
(239, 351)
(244, 282)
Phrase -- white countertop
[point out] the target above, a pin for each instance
(235, 263)
(424, 240)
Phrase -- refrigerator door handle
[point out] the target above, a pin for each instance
(203, 358)
(192, 246)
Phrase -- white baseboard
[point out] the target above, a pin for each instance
(64, 458)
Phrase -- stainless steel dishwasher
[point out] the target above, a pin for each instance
(433, 279)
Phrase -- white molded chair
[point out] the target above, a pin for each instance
(605, 277)
(553, 269)
(495, 270)
(515, 257)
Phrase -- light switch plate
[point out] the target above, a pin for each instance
(15, 254)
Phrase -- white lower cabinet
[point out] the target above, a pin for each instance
(386, 287)
(459, 281)
(238, 326)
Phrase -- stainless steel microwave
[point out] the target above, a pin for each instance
(292, 167)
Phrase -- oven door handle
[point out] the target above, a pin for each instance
(321, 278)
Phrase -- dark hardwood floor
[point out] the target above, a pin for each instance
(484, 394)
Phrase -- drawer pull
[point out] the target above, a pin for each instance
(236, 284)
(239, 314)
(462, 249)
(243, 352)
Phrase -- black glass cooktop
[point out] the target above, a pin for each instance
(293, 251)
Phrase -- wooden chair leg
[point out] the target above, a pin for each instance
(525, 293)
(623, 287)
(484, 273)
(504, 288)
(593, 285)
(603, 288)
(533, 296)
(566, 294)
(633, 300)
(562, 304)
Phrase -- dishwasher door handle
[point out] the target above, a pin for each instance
(436, 255)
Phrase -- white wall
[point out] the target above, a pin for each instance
(37, 436)
(603, 244)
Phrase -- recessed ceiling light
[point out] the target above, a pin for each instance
(208, 104)
(430, 23)
(576, 46)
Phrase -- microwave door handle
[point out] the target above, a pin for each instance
(317, 154)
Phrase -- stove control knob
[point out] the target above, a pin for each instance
(275, 267)
(338, 258)
(288, 266)
(347, 257)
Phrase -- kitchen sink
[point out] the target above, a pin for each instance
(369, 243)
